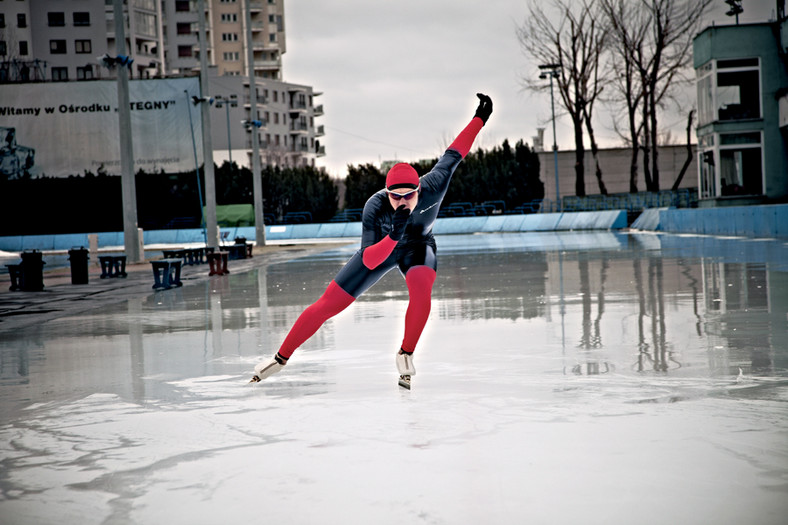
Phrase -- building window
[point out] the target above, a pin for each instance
(59, 73)
(232, 56)
(741, 169)
(729, 90)
(82, 18)
(3, 48)
(182, 6)
(184, 28)
(738, 89)
(85, 73)
(21, 20)
(82, 46)
(146, 23)
(229, 17)
(229, 37)
(57, 47)
(56, 19)
(2, 20)
(23, 48)
(272, 37)
(184, 51)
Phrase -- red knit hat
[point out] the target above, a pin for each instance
(402, 175)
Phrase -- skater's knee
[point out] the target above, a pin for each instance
(420, 278)
(333, 300)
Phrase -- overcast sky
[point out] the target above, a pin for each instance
(399, 78)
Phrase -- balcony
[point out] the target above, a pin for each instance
(321, 151)
(248, 101)
(268, 65)
(320, 131)
(318, 111)
(299, 127)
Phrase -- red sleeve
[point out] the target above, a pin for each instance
(462, 144)
(378, 252)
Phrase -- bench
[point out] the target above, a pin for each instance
(238, 250)
(218, 263)
(112, 266)
(190, 256)
(166, 273)
(15, 271)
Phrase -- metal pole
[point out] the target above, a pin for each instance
(197, 170)
(257, 181)
(212, 235)
(229, 143)
(555, 144)
(131, 238)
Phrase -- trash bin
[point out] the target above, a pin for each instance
(32, 271)
(79, 265)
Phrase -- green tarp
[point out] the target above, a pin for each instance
(233, 215)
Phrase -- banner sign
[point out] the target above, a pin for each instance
(59, 129)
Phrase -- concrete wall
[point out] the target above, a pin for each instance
(614, 163)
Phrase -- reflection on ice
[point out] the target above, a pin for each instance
(563, 378)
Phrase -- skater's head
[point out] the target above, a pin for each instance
(402, 186)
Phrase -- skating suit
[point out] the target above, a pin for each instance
(417, 246)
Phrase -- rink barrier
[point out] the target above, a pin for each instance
(599, 220)
(767, 221)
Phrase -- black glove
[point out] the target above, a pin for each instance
(485, 107)
(398, 222)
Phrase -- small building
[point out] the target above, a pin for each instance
(615, 166)
(742, 82)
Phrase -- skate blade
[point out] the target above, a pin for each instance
(404, 382)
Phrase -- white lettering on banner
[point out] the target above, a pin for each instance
(72, 127)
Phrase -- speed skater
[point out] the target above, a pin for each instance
(396, 232)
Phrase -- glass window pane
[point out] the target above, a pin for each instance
(738, 95)
(741, 172)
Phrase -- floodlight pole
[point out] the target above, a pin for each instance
(257, 181)
(207, 148)
(552, 72)
(131, 237)
(197, 171)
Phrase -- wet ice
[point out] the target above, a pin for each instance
(589, 377)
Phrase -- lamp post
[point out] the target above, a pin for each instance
(551, 71)
(257, 181)
(197, 100)
(227, 102)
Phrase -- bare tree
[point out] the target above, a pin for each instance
(628, 36)
(653, 43)
(688, 160)
(572, 35)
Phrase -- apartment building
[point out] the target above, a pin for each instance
(286, 113)
(61, 40)
(226, 36)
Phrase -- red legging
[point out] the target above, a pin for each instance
(333, 301)
(419, 280)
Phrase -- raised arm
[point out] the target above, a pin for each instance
(462, 144)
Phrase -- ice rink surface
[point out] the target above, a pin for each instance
(595, 378)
